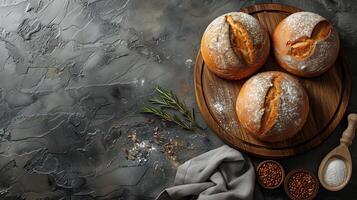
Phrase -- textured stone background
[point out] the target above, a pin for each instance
(74, 73)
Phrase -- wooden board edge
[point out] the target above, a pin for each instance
(262, 151)
(259, 7)
(212, 124)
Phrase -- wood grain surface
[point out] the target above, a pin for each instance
(328, 96)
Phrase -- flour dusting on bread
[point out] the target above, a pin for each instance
(303, 23)
(291, 100)
(218, 42)
(272, 106)
(260, 84)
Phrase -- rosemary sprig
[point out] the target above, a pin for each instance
(166, 116)
(168, 100)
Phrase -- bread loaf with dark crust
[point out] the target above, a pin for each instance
(235, 45)
(273, 106)
(305, 44)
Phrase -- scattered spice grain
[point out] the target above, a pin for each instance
(301, 185)
(270, 174)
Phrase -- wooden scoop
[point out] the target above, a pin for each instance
(340, 152)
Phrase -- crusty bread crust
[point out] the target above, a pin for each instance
(305, 44)
(272, 106)
(235, 45)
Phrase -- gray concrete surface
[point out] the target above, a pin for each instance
(74, 74)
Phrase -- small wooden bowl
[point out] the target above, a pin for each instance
(286, 182)
(282, 174)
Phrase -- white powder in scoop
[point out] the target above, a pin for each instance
(335, 172)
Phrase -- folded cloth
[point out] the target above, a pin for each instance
(220, 174)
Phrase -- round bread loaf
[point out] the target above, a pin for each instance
(235, 45)
(305, 44)
(273, 106)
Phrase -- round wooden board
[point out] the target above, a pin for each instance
(328, 95)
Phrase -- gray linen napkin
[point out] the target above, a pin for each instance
(220, 174)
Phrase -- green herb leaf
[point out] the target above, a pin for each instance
(166, 99)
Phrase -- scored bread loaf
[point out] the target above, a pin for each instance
(273, 106)
(235, 45)
(305, 44)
